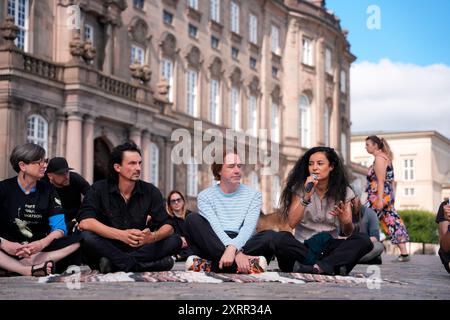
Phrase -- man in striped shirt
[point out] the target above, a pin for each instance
(223, 233)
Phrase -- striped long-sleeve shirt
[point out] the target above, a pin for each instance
(237, 212)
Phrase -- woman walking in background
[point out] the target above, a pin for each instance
(381, 195)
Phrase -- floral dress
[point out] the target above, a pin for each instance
(390, 220)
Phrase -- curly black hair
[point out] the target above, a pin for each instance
(337, 183)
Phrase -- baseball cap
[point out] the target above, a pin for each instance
(58, 165)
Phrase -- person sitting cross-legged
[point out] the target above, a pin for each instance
(113, 219)
(222, 234)
(443, 219)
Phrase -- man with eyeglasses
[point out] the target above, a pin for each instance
(32, 227)
(70, 186)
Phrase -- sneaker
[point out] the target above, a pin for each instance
(402, 258)
(197, 264)
(304, 268)
(164, 264)
(105, 265)
(258, 265)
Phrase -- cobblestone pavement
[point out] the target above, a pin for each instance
(422, 278)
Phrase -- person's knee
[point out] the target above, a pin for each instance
(89, 237)
(192, 220)
(174, 242)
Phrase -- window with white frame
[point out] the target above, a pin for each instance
(214, 101)
(137, 54)
(275, 191)
(252, 118)
(167, 73)
(193, 4)
(214, 8)
(344, 146)
(305, 122)
(192, 178)
(409, 192)
(191, 92)
(328, 61)
(89, 33)
(307, 54)
(235, 114)
(253, 28)
(37, 130)
(234, 17)
(275, 123)
(408, 169)
(138, 4)
(253, 180)
(343, 81)
(275, 39)
(326, 124)
(154, 164)
(19, 10)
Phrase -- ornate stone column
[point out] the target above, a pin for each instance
(61, 129)
(74, 150)
(135, 136)
(145, 156)
(88, 148)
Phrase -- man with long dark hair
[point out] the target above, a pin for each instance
(316, 202)
(113, 218)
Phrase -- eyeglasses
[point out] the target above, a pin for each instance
(41, 162)
(173, 201)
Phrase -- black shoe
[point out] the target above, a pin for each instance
(164, 264)
(304, 268)
(105, 265)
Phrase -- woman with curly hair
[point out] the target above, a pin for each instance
(382, 199)
(316, 203)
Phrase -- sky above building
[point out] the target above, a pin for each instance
(401, 78)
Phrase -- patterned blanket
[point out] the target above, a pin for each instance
(201, 277)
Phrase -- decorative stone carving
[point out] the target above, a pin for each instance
(253, 85)
(9, 31)
(216, 67)
(140, 73)
(194, 57)
(235, 76)
(146, 73)
(138, 30)
(163, 88)
(89, 52)
(308, 85)
(76, 47)
(136, 70)
(276, 94)
(169, 45)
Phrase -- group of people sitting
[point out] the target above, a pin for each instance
(124, 224)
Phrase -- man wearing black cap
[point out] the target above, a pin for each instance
(70, 187)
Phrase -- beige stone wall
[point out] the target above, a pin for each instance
(82, 102)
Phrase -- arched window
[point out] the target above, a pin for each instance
(252, 116)
(37, 130)
(235, 108)
(214, 101)
(275, 123)
(326, 124)
(192, 92)
(253, 180)
(167, 73)
(275, 191)
(154, 164)
(305, 122)
(192, 178)
(19, 10)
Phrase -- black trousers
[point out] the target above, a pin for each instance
(206, 244)
(122, 256)
(445, 259)
(337, 254)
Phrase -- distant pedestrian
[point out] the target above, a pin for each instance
(381, 195)
(70, 186)
(443, 219)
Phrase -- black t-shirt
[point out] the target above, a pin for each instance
(71, 195)
(440, 215)
(104, 202)
(33, 209)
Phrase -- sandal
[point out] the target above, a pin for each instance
(42, 271)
